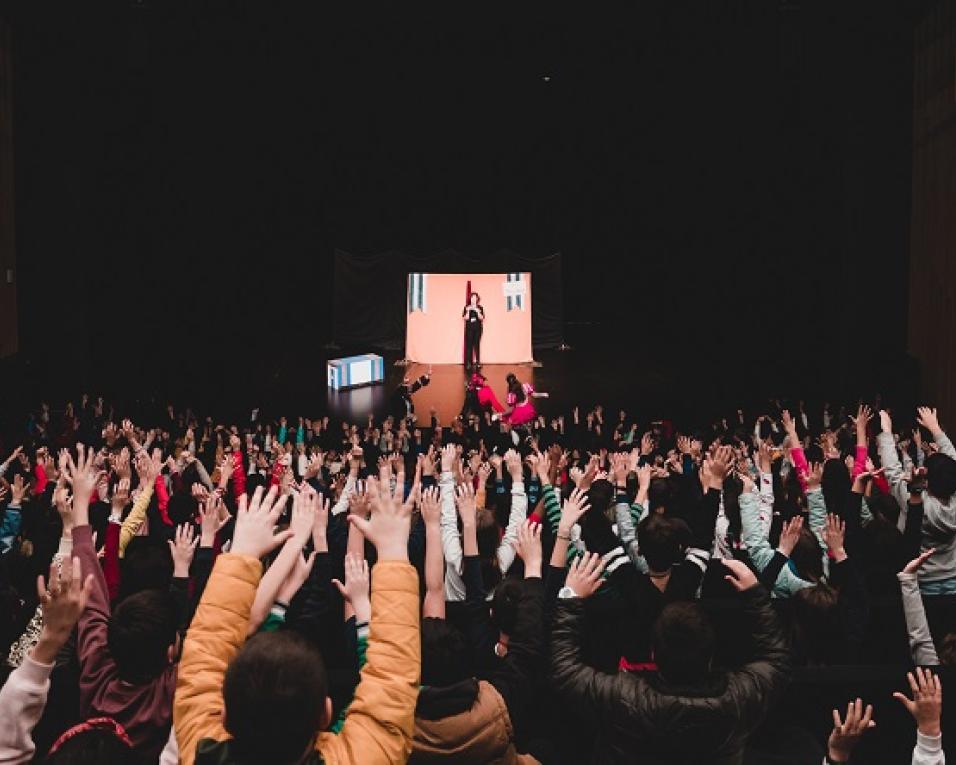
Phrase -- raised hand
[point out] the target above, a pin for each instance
(814, 476)
(296, 577)
(863, 416)
(619, 468)
(740, 576)
(63, 503)
(927, 703)
(431, 506)
(928, 419)
(914, 565)
(355, 590)
(720, 465)
(211, 520)
(574, 507)
(528, 548)
(182, 549)
(513, 463)
(63, 603)
(254, 534)
(834, 534)
(790, 535)
(647, 444)
(390, 523)
(790, 426)
(465, 500)
(302, 521)
(584, 575)
(886, 422)
(846, 733)
(448, 456)
(359, 501)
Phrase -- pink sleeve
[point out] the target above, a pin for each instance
(111, 566)
(859, 461)
(162, 499)
(238, 476)
(799, 460)
(881, 483)
(41, 481)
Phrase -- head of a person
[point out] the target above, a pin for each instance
(142, 635)
(660, 494)
(816, 621)
(444, 654)
(98, 741)
(182, 508)
(947, 650)
(941, 476)
(663, 541)
(683, 642)
(276, 698)
(146, 566)
(807, 558)
(504, 604)
(475, 298)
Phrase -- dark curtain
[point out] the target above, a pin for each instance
(932, 304)
(370, 293)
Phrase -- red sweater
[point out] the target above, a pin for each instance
(143, 709)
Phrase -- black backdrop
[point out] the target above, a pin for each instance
(370, 292)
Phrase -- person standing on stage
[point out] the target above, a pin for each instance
(474, 318)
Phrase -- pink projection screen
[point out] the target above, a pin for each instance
(435, 331)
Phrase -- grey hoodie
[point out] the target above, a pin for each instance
(939, 519)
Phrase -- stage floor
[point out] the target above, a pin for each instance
(446, 393)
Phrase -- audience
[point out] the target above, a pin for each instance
(298, 590)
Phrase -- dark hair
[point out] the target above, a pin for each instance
(141, 630)
(504, 604)
(474, 295)
(488, 533)
(515, 386)
(816, 622)
(95, 747)
(683, 642)
(947, 650)
(147, 565)
(659, 494)
(662, 541)
(808, 557)
(274, 693)
(941, 476)
(445, 654)
(182, 508)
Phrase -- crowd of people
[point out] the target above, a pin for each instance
(496, 589)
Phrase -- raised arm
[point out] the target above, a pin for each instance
(450, 538)
(519, 511)
(921, 641)
(221, 623)
(381, 718)
(434, 604)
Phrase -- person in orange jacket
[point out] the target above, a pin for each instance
(265, 699)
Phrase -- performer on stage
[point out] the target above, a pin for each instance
(520, 400)
(402, 405)
(480, 396)
(474, 318)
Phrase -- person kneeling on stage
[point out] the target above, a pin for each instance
(480, 397)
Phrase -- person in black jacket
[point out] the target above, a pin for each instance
(688, 712)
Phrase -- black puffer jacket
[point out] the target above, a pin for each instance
(647, 721)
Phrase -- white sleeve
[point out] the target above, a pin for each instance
(519, 514)
(451, 539)
(343, 504)
(928, 750)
